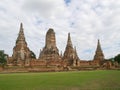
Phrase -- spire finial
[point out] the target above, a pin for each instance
(99, 46)
(69, 42)
(21, 28)
(98, 41)
(21, 36)
(21, 25)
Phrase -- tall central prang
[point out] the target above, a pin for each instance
(50, 39)
(50, 51)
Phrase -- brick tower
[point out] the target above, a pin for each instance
(50, 51)
(21, 53)
(70, 54)
(99, 56)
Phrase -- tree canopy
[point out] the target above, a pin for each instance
(3, 58)
(33, 55)
(117, 58)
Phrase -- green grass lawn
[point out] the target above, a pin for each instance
(83, 80)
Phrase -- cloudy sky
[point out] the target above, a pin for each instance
(86, 20)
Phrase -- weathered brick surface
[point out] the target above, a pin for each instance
(50, 59)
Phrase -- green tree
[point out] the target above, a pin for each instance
(3, 58)
(117, 58)
(33, 55)
(111, 59)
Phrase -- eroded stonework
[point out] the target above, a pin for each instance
(21, 53)
(99, 56)
(50, 59)
(50, 51)
(70, 54)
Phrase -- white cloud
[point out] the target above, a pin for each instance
(86, 20)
